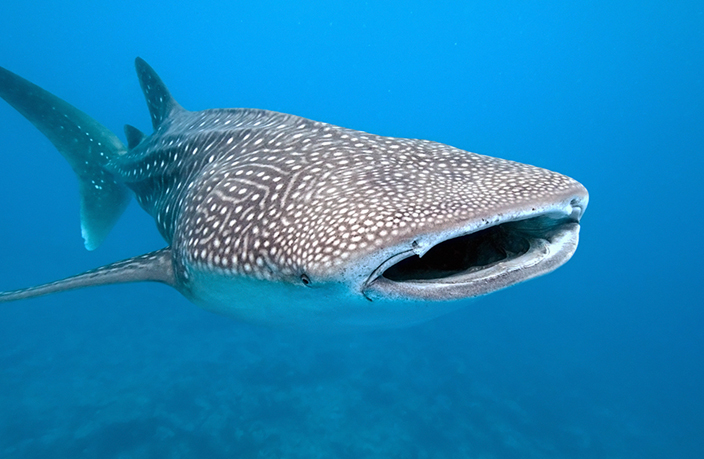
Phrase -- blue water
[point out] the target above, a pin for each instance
(603, 358)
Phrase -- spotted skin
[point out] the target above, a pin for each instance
(252, 200)
(274, 196)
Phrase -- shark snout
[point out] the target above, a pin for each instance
(478, 258)
(578, 203)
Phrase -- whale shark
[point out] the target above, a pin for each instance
(284, 221)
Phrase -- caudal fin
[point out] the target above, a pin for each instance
(86, 144)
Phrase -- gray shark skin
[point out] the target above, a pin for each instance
(281, 220)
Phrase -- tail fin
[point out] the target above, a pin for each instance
(86, 144)
(159, 100)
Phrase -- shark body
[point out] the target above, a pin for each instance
(281, 220)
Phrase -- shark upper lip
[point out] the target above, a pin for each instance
(480, 261)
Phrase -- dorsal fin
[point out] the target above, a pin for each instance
(161, 104)
(134, 136)
(155, 267)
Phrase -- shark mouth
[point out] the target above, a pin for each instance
(481, 261)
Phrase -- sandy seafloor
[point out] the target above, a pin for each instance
(600, 359)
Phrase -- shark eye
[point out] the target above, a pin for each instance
(305, 279)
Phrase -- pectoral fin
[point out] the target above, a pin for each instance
(154, 267)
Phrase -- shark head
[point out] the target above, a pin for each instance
(346, 227)
(282, 220)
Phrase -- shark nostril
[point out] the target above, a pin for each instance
(305, 279)
(578, 207)
(416, 247)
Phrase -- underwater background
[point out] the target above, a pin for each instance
(603, 358)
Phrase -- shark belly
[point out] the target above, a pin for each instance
(330, 307)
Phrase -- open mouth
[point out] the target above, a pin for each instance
(473, 252)
(480, 262)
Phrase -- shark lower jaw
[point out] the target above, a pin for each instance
(479, 262)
